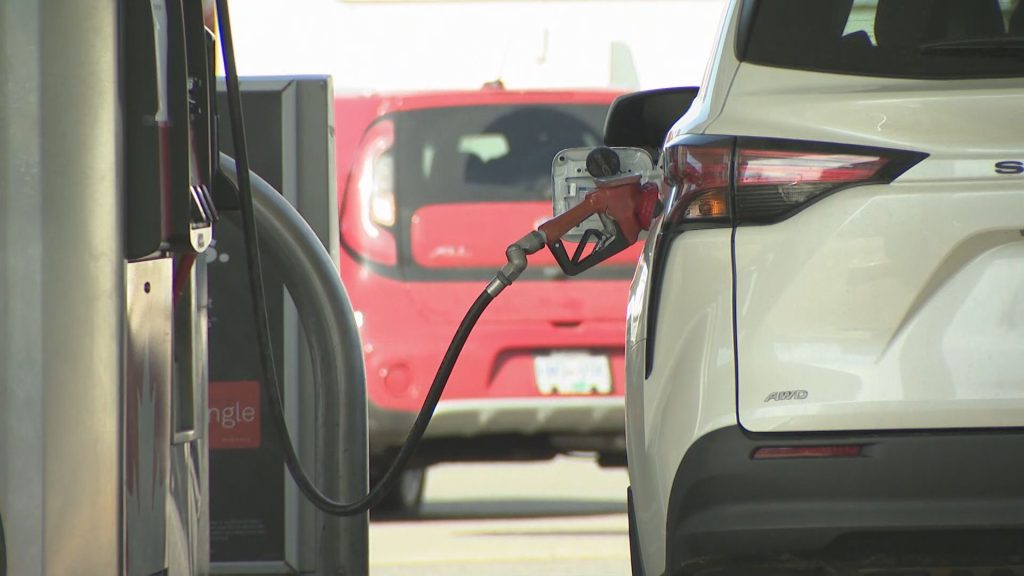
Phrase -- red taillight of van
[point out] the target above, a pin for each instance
(740, 180)
(368, 212)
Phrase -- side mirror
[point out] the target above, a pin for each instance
(642, 119)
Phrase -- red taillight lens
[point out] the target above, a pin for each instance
(782, 452)
(770, 184)
(759, 167)
(369, 211)
(702, 175)
(763, 180)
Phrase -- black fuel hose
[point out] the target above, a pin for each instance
(269, 381)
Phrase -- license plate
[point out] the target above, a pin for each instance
(572, 373)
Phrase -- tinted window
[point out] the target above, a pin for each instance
(479, 155)
(487, 153)
(894, 38)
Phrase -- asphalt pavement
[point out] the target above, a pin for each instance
(564, 517)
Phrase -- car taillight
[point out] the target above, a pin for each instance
(764, 180)
(369, 211)
(770, 184)
(378, 185)
(701, 172)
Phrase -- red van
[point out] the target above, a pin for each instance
(432, 188)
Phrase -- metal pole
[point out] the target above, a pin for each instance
(61, 287)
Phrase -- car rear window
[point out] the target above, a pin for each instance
(486, 153)
(940, 39)
(456, 161)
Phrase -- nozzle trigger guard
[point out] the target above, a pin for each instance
(607, 245)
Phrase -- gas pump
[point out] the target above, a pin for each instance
(106, 161)
(167, 80)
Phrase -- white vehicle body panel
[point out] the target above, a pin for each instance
(893, 307)
(897, 306)
(979, 118)
(663, 415)
(690, 393)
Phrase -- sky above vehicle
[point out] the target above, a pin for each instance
(389, 46)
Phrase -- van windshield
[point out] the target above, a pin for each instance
(937, 39)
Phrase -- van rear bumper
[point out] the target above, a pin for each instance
(922, 498)
(586, 423)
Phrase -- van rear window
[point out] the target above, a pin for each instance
(486, 153)
(486, 168)
(938, 39)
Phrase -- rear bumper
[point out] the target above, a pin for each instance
(529, 416)
(568, 423)
(923, 498)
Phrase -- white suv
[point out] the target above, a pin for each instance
(825, 356)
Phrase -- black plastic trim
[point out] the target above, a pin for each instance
(734, 322)
(748, 14)
(657, 267)
(698, 140)
(636, 561)
(942, 496)
(3, 550)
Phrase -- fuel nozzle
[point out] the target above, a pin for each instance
(604, 165)
(624, 204)
(603, 162)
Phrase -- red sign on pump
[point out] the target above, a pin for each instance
(234, 414)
